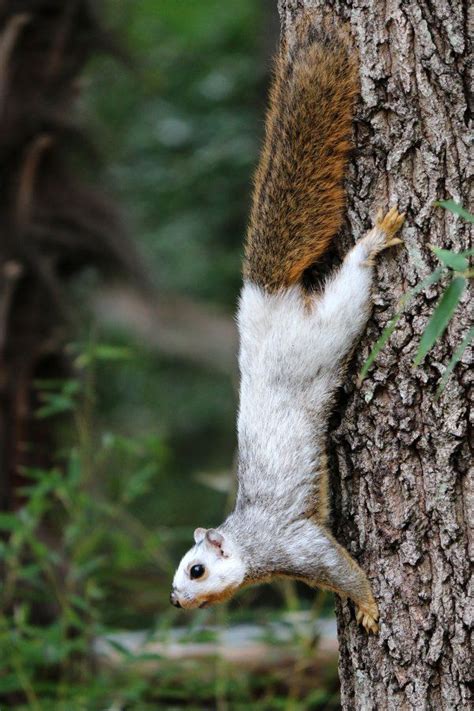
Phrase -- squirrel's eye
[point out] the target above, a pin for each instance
(197, 571)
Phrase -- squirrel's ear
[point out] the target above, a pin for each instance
(199, 534)
(216, 539)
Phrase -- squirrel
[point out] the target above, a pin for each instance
(295, 341)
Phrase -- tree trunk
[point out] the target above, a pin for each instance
(400, 456)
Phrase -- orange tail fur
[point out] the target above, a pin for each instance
(299, 196)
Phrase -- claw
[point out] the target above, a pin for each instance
(367, 617)
(393, 242)
(379, 216)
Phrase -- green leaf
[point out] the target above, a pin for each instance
(386, 333)
(389, 329)
(9, 522)
(139, 483)
(454, 360)
(427, 281)
(103, 352)
(121, 648)
(30, 572)
(81, 603)
(10, 683)
(55, 405)
(441, 317)
(148, 657)
(455, 208)
(453, 260)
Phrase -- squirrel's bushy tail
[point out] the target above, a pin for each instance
(299, 197)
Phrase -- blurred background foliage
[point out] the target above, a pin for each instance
(148, 435)
(179, 133)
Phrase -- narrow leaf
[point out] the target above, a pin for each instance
(455, 208)
(427, 281)
(386, 333)
(441, 317)
(453, 260)
(389, 329)
(121, 648)
(458, 353)
(103, 352)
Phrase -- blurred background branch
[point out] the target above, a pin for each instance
(175, 326)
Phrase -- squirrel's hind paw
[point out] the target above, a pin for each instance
(382, 236)
(367, 616)
(390, 224)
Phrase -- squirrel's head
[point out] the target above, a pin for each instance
(210, 572)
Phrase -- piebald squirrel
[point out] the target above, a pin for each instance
(294, 341)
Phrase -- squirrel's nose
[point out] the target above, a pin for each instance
(174, 600)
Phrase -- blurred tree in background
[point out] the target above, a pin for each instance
(54, 223)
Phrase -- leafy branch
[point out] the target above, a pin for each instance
(455, 265)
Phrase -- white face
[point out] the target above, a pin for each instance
(210, 572)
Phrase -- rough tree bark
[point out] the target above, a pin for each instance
(401, 456)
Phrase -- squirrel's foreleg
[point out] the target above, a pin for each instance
(320, 561)
(343, 308)
(344, 577)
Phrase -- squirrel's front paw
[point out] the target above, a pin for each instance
(367, 616)
(383, 234)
